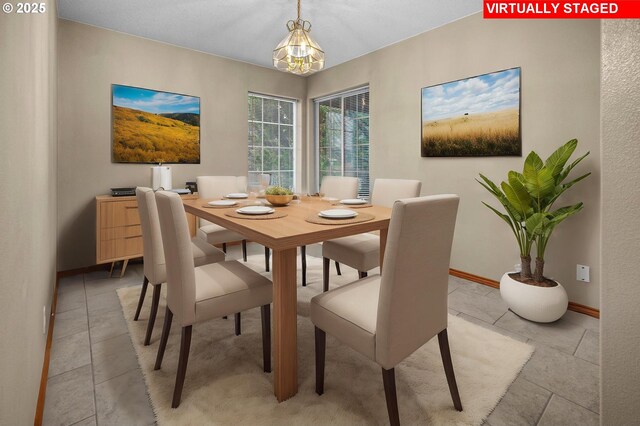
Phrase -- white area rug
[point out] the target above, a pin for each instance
(225, 384)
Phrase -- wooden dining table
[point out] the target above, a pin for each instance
(283, 235)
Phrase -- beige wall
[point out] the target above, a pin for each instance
(620, 334)
(90, 60)
(560, 63)
(28, 199)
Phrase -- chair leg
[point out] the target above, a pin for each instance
(338, 268)
(143, 293)
(321, 340)
(154, 311)
(266, 258)
(238, 324)
(185, 344)
(244, 250)
(224, 247)
(303, 255)
(389, 380)
(362, 274)
(265, 310)
(168, 317)
(445, 352)
(325, 273)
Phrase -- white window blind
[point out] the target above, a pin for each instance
(342, 137)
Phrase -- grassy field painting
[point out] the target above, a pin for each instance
(479, 116)
(155, 127)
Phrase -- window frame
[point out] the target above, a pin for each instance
(316, 117)
(294, 141)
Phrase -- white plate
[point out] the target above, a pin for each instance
(238, 195)
(353, 201)
(222, 203)
(338, 214)
(255, 210)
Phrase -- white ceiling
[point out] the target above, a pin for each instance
(248, 30)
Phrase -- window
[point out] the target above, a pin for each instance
(342, 137)
(271, 140)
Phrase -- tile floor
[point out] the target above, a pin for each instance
(94, 376)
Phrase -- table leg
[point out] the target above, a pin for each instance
(383, 244)
(285, 307)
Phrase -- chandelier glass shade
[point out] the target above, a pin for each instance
(298, 53)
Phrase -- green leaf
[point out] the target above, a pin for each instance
(568, 185)
(539, 183)
(560, 189)
(535, 224)
(556, 161)
(501, 215)
(565, 172)
(516, 176)
(519, 200)
(532, 163)
(562, 213)
(516, 181)
(491, 187)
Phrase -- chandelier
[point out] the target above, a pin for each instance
(298, 53)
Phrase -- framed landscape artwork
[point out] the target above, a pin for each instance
(474, 117)
(149, 126)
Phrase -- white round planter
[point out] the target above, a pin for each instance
(539, 304)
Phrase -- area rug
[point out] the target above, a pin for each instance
(225, 384)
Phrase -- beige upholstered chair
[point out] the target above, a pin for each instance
(214, 187)
(362, 252)
(387, 318)
(338, 187)
(197, 294)
(154, 264)
(219, 186)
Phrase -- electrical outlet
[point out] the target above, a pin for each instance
(582, 273)
(44, 320)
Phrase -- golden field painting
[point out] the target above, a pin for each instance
(479, 116)
(154, 127)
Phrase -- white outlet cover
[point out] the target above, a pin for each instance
(582, 273)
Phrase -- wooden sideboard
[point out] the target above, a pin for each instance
(118, 231)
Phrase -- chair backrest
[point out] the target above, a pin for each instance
(154, 268)
(178, 254)
(339, 187)
(387, 191)
(219, 186)
(413, 291)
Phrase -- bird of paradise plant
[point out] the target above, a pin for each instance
(528, 198)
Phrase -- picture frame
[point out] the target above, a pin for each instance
(473, 117)
(153, 126)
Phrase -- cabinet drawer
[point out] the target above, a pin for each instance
(120, 232)
(119, 213)
(120, 248)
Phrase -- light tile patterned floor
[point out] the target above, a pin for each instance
(94, 376)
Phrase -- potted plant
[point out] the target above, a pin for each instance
(528, 199)
(278, 195)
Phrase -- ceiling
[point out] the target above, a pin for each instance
(248, 30)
